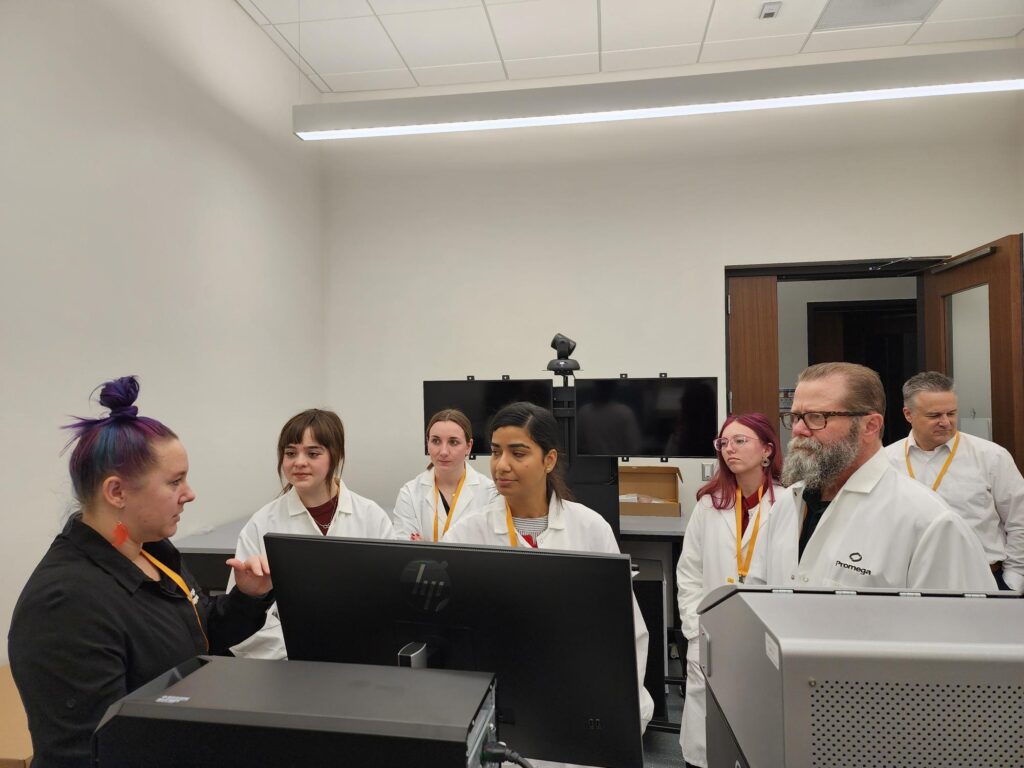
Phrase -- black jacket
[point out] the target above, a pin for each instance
(90, 627)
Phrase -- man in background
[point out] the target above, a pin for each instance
(975, 477)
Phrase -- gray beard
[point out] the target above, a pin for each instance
(817, 464)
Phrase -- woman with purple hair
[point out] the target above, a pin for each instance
(731, 510)
(111, 606)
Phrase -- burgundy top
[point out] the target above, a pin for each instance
(323, 514)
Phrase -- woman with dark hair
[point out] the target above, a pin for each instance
(111, 606)
(428, 504)
(313, 501)
(537, 509)
(731, 510)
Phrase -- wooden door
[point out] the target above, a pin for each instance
(752, 331)
(997, 265)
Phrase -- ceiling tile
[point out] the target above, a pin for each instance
(344, 45)
(289, 32)
(252, 10)
(552, 66)
(631, 24)
(480, 72)
(860, 37)
(650, 58)
(752, 48)
(975, 29)
(545, 28)
(293, 54)
(441, 38)
(318, 10)
(843, 14)
(955, 10)
(738, 19)
(371, 81)
(279, 11)
(406, 6)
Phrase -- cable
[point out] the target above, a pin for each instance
(498, 752)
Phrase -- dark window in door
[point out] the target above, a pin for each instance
(879, 334)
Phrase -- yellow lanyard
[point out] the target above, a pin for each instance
(743, 565)
(451, 507)
(942, 472)
(183, 587)
(513, 537)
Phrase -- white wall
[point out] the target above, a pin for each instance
(156, 218)
(465, 253)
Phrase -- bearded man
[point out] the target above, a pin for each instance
(849, 520)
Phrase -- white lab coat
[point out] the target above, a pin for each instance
(414, 507)
(708, 560)
(984, 487)
(882, 530)
(356, 517)
(571, 526)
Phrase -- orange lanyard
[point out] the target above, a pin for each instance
(451, 507)
(942, 472)
(513, 537)
(190, 595)
(743, 565)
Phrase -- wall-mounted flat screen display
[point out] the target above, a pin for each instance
(480, 399)
(672, 418)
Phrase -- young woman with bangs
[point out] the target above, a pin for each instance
(314, 501)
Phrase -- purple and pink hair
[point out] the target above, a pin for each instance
(722, 485)
(120, 443)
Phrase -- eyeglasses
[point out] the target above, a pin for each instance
(739, 441)
(814, 420)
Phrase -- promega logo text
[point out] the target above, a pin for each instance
(852, 567)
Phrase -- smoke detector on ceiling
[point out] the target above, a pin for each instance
(770, 10)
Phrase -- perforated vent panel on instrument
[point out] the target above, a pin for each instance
(924, 725)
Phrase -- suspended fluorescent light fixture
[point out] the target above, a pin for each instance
(949, 74)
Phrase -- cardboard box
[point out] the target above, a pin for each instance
(15, 742)
(654, 482)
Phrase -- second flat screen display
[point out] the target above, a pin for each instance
(672, 418)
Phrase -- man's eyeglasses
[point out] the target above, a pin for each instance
(739, 441)
(814, 420)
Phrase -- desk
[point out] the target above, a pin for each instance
(205, 551)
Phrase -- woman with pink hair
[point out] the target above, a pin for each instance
(731, 510)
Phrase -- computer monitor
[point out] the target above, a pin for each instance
(671, 418)
(480, 399)
(556, 628)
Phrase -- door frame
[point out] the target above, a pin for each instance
(999, 265)
(761, 394)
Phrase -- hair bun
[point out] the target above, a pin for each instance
(119, 395)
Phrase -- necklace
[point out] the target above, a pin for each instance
(323, 526)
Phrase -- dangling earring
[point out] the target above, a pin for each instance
(120, 534)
